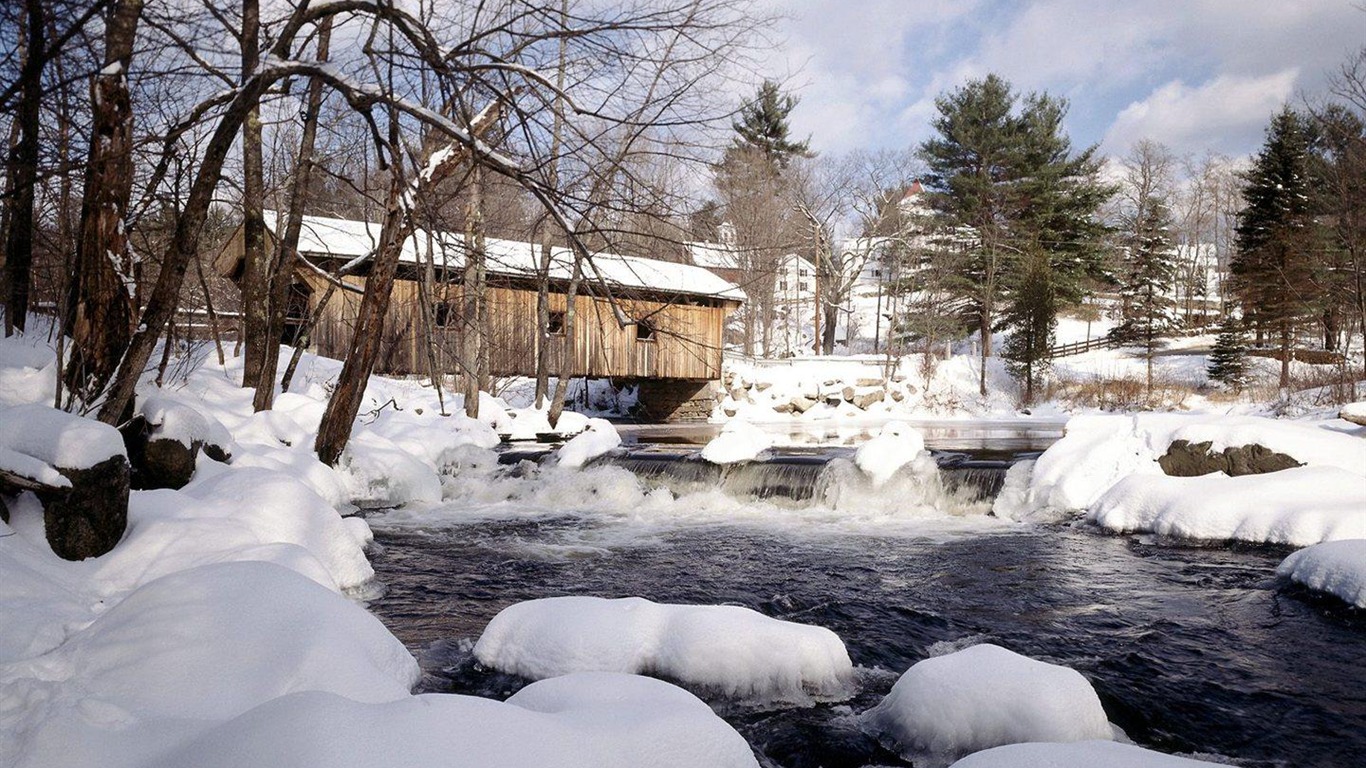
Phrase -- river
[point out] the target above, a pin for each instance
(1192, 649)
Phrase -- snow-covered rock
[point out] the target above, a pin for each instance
(722, 650)
(58, 438)
(1354, 412)
(173, 420)
(1082, 754)
(895, 445)
(192, 649)
(981, 697)
(588, 720)
(1300, 506)
(529, 423)
(738, 441)
(597, 438)
(1335, 567)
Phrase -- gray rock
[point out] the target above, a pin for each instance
(868, 398)
(1186, 459)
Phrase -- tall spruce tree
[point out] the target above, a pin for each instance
(1146, 284)
(1002, 170)
(1277, 251)
(763, 125)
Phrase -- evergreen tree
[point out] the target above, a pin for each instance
(763, 125)
(1274, 265)
(1031, 315)
(1147, 283)
(1002, 171)
(1228, 359)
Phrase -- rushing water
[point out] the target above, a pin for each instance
(1192, 650)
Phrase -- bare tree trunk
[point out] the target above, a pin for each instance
(100, 303)
(472, 340)
(208, 308)
(23, 172)
(282, 276)
(335, 429)
(563, 374)
(543, 278)
(256, 291)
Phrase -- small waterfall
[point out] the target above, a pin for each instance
(802, 478)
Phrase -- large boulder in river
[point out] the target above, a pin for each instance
(79, 471)
(165, 441)
(1186, 459)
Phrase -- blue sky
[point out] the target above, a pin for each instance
(1198, 75)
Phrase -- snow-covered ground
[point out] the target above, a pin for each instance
(223, 630)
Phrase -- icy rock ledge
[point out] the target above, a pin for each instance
(726, 651)
(981, 697)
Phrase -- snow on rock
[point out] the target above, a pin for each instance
(896, 445)
(1300, 506)
(58, 438)
(28, 369)
(192, 649)
(1096, 452)
(588, 720)
(981, 697)
(233, 515)
(1354, 412)
(528, 423)
(597, 438)
(739, 441)
(1082, 754)
(1335, 567)
(724, 650)
(378, 471)
(174, 420)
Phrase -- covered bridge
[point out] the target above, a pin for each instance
(673, 351)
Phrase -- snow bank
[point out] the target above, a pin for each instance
(981, 697)
(1084, 754)
(192, 649)
(578, 721)
(729, 651)
(738, 441)
(1096, 452)
(1335, 567)
(1300, 506)
(597, 438)
(57, 438)
(28, 369)
(895, 446)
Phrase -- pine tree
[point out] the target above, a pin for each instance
(1228, 359)
(763, 125)
(1275, 263)
(1147, 283)
(1002, 171)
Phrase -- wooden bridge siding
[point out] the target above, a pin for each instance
(686, 342)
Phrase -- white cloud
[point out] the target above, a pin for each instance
(1226, 113)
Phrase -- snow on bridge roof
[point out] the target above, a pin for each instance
(348, 239)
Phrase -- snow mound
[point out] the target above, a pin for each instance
(57, 438)
(1335, 567)
(578, 721)
(186, 425)
(1083, 754)
(528, 423)
(738, 441)
(985, 696)
(1096, 452)
(1354, 412)
(28, 369)
(1300, 506)
(728, 651)
(597, 438)
(895, 446)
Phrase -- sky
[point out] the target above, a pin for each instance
(1197, 75)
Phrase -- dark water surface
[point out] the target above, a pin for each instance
(1192, 650)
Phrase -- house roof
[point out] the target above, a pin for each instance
(349, 238)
